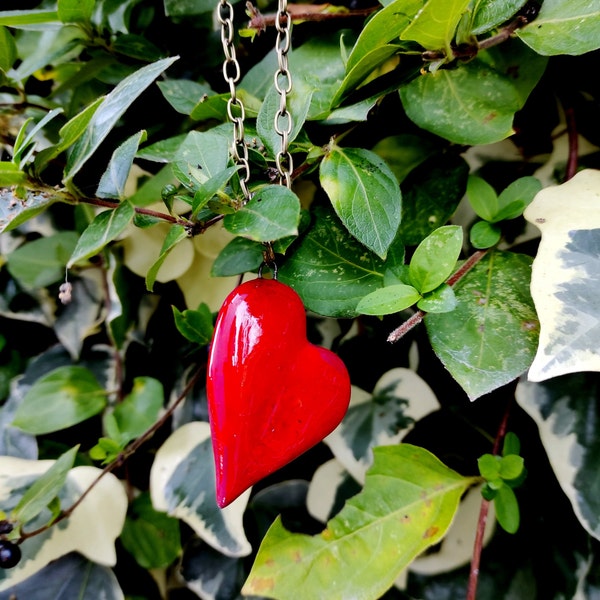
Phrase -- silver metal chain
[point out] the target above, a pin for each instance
(283, 122)
(235, 107)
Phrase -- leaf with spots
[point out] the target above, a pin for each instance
(490, 338)
(406, 506)
(365, 195)
(564, 281)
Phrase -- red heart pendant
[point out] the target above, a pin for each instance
(272, 394)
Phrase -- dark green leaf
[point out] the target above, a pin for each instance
(42, 262)
(195, 325)
(239, 256)
(330, 270)
(137, 46)
(110, 111)
(107, 226)
(151, 537)
(209, 188)
(435, 258)
(488, 14)
(60, 399)
(516, 197)
(44, 489)
(388, 300)
(8, 49)
(184, 8)
(430, 195)
(183, 94)
(112, 182)
(365, 195)
(271, 214)
(491, 336)
(408, 501)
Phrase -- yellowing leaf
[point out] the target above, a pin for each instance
(565, 274)
(407, 504)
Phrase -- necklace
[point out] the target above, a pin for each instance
(272, 395)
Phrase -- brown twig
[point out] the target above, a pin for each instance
(117, 462)
(415, 319)
(483, 515)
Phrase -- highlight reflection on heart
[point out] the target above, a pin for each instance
(272, 394)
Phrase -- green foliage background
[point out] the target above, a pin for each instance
(423, 130)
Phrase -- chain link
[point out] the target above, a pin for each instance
(283, 122)
(235, 107)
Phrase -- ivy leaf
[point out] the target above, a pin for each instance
(388, 300)
(563, 27)
(434, 25)
(109, 112)
(195, 325)
(365, 195)
(564, 275)
(435, 258)
(408, 502)
(42, 262)
(330, 270)
(112, 183)
(489, 339)
(60, 399)
(106, 226)
(44, 489)
(271, 214)
(563, 410)
(193, 499)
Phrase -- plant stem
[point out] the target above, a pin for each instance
(123, 456)
(483, 515)
(415, 319)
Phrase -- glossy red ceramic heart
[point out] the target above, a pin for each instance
(272, 394)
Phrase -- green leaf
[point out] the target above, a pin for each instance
(489, 466)
(297, 105)
(272, 213)
(430, 196)
(183, 94)
(564, 282)
(62, 398)
(8, 49)
(209, 188)
(151, 537)
(564, 27)
(184, 8)
(10, 174)
(516, 197)
(138, 411)
(435, 258)
(22, 18)
(511, 445)
(482, 197)
(511, 466)
(388, 300)
(206, 151)
(484, 235)
(330, 270)
(365, 195)
(488, 14)
(44, 489)
(75, 11)
(113, 180)
(507, 509)
(195, 325)
(407, 503)
(42, 262)
(176, 234)
(433, 27)
(491, 336)
(105, 227)
(440, 300)
(239, 256)
(109, 112)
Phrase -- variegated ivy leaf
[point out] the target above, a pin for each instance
(399, 399)
(566, 413)
(91, 530)
(565, 274)
(182, 483)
